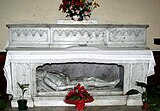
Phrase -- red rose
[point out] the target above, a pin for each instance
(72, 92)
(89, 10)
(80, 105)
(78, 86)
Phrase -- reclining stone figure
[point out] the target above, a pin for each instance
(59, 82)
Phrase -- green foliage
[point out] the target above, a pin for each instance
(141, 84)
(23, 87)
(154, 97)
(3, 101)
(132, 92)
(3, 104)
(151, 95)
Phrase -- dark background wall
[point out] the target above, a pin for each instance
(155, 79)
(3, 82)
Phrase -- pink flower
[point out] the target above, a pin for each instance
(77, 11)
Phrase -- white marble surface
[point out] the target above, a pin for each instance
(32, 45)
(20, 67)
(65, 35)
(67, 21)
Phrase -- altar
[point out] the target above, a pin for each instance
(108, 51)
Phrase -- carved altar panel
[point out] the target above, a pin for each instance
(126, 37)
(78, 36)
(23, 77)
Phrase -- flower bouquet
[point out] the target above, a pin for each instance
(78, 96)
(78, 8)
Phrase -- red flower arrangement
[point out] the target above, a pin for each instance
(78, 96)
(80, 8)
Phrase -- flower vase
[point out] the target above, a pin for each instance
(77, 17)
(22, 104)
(145, 105)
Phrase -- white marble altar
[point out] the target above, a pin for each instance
(33, 45)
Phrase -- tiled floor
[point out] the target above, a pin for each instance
(89, 108)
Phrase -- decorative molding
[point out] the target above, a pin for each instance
(81, 31)
(27, 32)
(126, 35)
(26, 35)
(65, 35)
